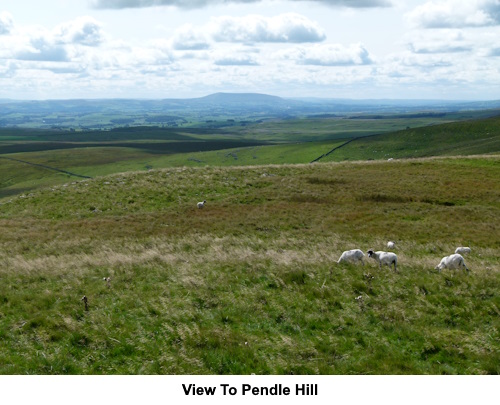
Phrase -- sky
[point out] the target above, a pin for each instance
(154, 49)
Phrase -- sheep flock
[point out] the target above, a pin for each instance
(453, 261)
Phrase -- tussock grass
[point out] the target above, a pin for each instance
(250, 284)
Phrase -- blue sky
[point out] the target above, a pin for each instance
(436, 49)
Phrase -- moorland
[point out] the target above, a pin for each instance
(250, 283)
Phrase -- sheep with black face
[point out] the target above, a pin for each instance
(384, 258)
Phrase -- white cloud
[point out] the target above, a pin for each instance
(190, 38)
(6, 23)
(236, 60)
(289, 27)
(42, 49)
(494, 51)
(119, 4)
(425, 63)
(441, 42)
(456, 14)
(250, 29)
(7, 69)
(64, 43)
(330, 55)
(83, 30)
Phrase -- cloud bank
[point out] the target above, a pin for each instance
(83, 30)
(451, 49)
(236, 60)
(288, 27)
(456, 14)
(190, 4)
(56, 45)
(6, 23)
(331, 55)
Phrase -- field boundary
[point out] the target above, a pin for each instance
(333, 150)
(344, 144)
(46, 167)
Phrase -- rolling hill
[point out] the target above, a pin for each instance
(250, 283)
(31, 158)
(450, 139)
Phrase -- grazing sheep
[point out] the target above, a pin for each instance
(108, 281)
(352, 256)
(384, 258)
(201, 204)
(462, 250)
(391, 244)
(454, 261)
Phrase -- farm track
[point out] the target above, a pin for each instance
(46, 167)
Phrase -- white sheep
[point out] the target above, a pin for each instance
(454, 261)
(462, 250)
(391, 244)
(201, 204)
(352, 256)
(384, 258)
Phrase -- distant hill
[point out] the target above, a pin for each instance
(247, 107)
(242, 98)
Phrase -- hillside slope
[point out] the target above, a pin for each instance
(450, 139)
(250, 283)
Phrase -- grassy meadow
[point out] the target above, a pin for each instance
(250, 284)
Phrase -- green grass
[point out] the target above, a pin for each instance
(17, 177)
(321, 129)
(463, 138)
(249, 284)
(292, 153)
(97, 153)
(451, 139)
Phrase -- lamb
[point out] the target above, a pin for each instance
(201, 204)
(391, 244)
(384, 258)
(454, 261)
(352, 256)
(462, 250)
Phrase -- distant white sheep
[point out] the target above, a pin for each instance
(451, 262)
(462, 250)
(384, 258)
(391, 244)
(108, 281)
(352, 256)
(201, 204)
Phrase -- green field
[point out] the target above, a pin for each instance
(98, 153)
(250, 284)
(451, 139)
